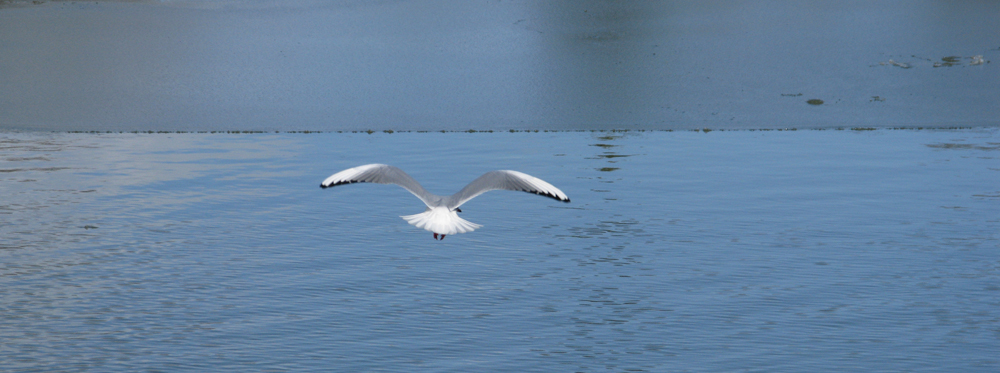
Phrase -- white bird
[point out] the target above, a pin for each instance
(441, 216)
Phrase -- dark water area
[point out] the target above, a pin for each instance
(458, 65)
(779, 251)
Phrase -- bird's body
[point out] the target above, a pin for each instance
(441, 216)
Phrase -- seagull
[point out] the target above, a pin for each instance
(441, 216)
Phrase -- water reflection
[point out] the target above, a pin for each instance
(609, 153)
(601, 58)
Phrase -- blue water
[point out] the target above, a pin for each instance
(524, 64)
(778, 251)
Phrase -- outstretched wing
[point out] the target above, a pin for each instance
(379, 174)
(506, 180)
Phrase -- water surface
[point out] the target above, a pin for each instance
(681, 251)
(455, 64)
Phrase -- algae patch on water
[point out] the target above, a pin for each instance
(949, 61)
(988, 147)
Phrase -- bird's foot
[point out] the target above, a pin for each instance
(435, 236)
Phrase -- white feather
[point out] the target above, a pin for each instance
(442, 221)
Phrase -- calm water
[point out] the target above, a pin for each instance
(681, 251)
(525, 64)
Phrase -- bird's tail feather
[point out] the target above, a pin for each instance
(441, 221)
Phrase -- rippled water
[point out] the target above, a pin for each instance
(681, 251)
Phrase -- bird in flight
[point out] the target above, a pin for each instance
(441, 216)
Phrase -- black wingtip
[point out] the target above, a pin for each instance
(544, 194)
(339, 183)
